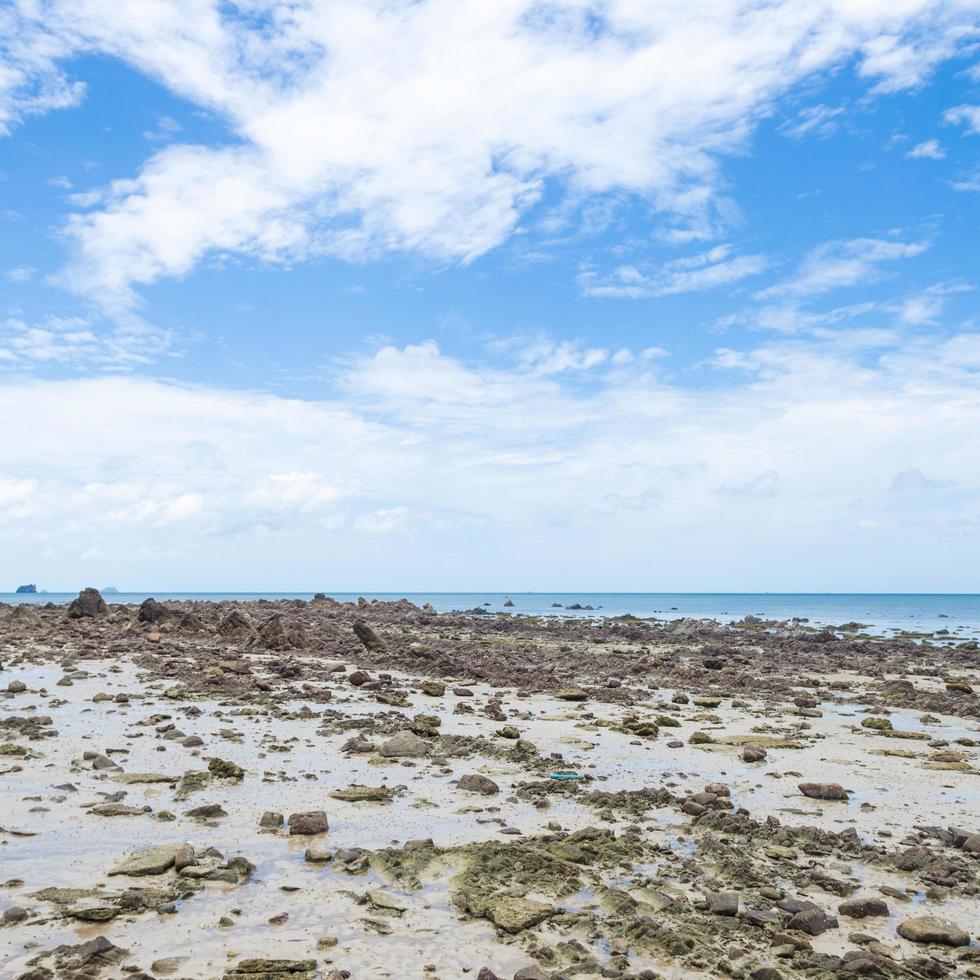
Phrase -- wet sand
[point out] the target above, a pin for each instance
(616, 826)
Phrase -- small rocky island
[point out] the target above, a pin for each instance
(27, 589)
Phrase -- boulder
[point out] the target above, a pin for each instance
(933, 929)
(151, 611)
(475, 783)
(861, 908)
(368, 637)
(404, 745)
(823, 791)
(310, 822)
(88, 605)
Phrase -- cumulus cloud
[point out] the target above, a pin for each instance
(357, 128)
(928, 150)
(545, 476)
(964, 115)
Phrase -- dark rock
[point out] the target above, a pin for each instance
(368, 637)
(310, 822)
(151, 611)
(88, 605)
(475, 783)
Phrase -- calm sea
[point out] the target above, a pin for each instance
(883, 613)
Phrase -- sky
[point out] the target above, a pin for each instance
(601, 295)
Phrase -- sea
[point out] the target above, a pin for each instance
(881, 613)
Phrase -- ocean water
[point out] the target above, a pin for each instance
(881, 613)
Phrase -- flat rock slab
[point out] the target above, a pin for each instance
(363, 794)
(517, 914)
(152, 861)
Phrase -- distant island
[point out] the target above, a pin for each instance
(21, 589)
(110, 590)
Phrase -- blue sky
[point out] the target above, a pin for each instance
(455, 295)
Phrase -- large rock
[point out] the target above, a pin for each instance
(824, 791)
(88, 604)
(368, 637)
(152, 861)
(861, 908)
(933, 929)
(475, 783)
(517, 914)
(308, 823)
(151, 611)
(235, 623)
(404, 745)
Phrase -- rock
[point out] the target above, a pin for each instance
(751, 752)
(207, 811)
(310, 822)
(823, 791)
(516, 914)
(223, 769)
(433, 689)
(812, 921)
(368, 637)
(972, 844)
(117, 810)
(235, 623)
(861, 908)
(88, 605)
(16, 687)
(475, 783)
(531, 972)
(404, 745)
(572, 694)
(14, 914)
(152, 861)
(362, 794)
(316, 855)
(877, 724)
(487, 974)
(359, 677)
(271, 820)
(271, 969)
(723, 903)
(933, 929)
(151, 611)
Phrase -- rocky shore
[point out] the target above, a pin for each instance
(300, 790)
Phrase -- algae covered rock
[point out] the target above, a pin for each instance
(517, 914)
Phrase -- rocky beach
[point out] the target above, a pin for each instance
(297, 790)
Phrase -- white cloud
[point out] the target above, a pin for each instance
(706, 270)
(77, 342)
(433, 127)
(548, 480)
(821, 120)
(836, 265)
(964, 115)
(929, 150)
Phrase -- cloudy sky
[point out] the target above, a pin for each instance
(459, 294)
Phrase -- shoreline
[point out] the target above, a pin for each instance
(684, 847)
